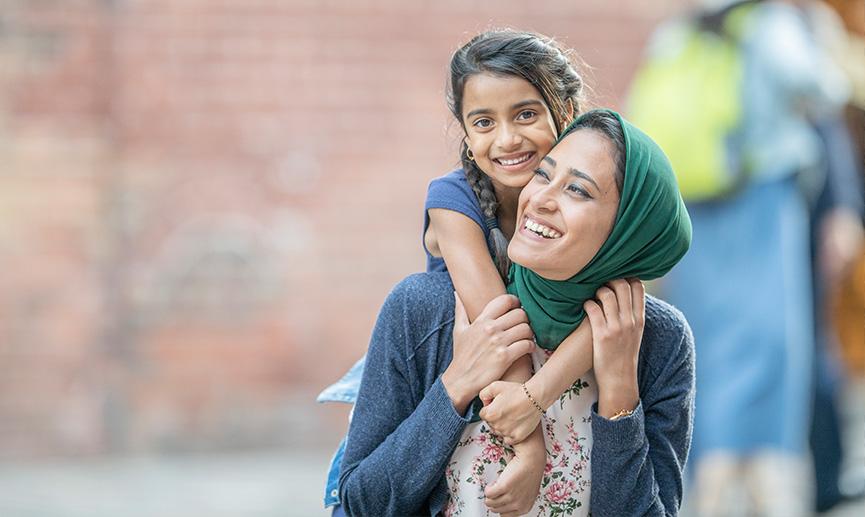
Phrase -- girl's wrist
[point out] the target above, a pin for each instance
(539, 391)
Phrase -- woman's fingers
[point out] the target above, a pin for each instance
(499, 306)
(461, 319)
(511, 318)
(609, 304)
(595, 314)
(638, 300)
(519, 349)
(519, 332)
(624, 299)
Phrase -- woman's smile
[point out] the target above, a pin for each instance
(536, 229)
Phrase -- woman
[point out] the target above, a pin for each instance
(613, 202)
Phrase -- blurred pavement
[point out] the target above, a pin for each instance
(281, 483)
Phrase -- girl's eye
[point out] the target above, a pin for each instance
(526, 115)
(482, 123)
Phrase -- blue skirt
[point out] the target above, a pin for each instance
(745, 287)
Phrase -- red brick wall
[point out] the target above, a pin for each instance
(204, 202)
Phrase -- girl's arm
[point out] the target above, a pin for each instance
(508, 410)
(464, 249)
(512, 415)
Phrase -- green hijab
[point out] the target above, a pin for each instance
(651, 234)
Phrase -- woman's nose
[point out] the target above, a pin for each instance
(544, 199)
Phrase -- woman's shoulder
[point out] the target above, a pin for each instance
(667, 349)
(666, 330)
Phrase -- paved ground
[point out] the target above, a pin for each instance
(261, 484)
(231, 485)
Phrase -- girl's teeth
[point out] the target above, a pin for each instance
(514, 161)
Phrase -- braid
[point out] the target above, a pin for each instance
(486, 194)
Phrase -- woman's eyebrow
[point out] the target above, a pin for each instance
(582, 175)
(574, 172)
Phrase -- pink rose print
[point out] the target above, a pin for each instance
(560, 491)
(492, 452)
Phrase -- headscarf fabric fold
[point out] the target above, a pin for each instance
(651, 233)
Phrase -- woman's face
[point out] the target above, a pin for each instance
(567, 210)
(508, 127)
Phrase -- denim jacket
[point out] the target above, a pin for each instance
(344, 390)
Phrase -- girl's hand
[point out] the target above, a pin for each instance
(617, 330)
(509, 413)
(484, 349)
(517, 488)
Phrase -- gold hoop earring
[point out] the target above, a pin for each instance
(469, 154)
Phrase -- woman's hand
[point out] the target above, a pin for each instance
(509, 413)
(517, 488)
(617, 330)
(484, 349)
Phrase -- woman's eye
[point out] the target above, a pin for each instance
(576, 189)
(526, 115)
(483, 123)
(540, 173)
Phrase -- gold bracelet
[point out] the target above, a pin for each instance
(534, 402)
(621, 414)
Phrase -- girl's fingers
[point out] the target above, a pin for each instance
(495, 493)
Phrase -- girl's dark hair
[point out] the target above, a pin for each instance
(538, 60)
(608, 125)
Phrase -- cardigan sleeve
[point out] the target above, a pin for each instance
(638, 461)
(401, 434)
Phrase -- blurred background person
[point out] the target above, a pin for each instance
(743, 95)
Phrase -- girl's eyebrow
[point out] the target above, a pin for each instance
(574, 172)
(521, 104)
(527, 102)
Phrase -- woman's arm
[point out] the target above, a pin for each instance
(638, 459)
(393, 459)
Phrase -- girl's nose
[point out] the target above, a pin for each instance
(508, 138)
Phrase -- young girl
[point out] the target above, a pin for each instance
(512, 93)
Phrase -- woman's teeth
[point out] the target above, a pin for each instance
(515, 161)
(542, 230)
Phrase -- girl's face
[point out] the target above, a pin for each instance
(567, 210)
(508, 127)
